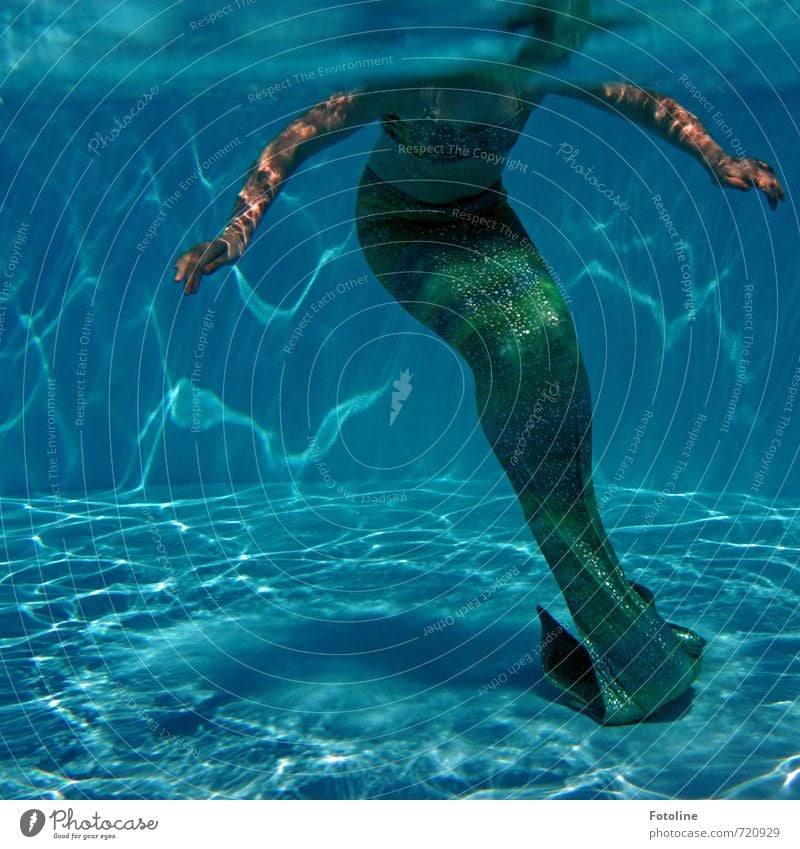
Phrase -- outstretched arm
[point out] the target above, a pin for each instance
(671, 121)
(324, 124)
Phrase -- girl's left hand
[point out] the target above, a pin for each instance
(743, 173)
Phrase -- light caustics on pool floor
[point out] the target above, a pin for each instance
(270, 644)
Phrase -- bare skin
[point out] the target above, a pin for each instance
(633, 662)
(342, 114)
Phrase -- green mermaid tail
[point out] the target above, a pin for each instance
(618, 696)
(469, 272)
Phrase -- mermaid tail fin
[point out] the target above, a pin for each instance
(691, 642)
(591, 685)
(567, 665)
(646, 594)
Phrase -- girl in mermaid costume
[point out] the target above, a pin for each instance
(439, 234)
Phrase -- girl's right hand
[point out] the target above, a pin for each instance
(203, 258)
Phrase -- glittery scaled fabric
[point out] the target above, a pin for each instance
(440, 140)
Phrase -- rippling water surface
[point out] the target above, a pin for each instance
(273, 643)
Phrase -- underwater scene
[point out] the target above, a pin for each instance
(256, 542)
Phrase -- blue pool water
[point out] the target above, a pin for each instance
(229, 571)
(287, 646)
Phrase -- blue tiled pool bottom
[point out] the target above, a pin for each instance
(268, 644)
